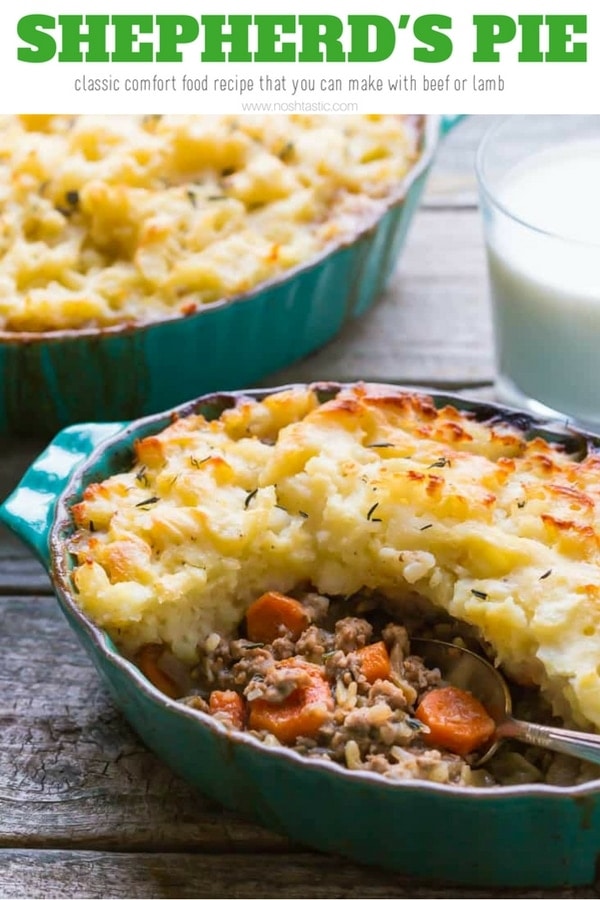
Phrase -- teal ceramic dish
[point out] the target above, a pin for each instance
(52, 380)
(528, 835)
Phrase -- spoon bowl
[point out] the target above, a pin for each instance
(467, 670)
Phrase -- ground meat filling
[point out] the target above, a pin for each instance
(335, 678)
(369, 723)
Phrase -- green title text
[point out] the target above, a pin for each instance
(290, 38)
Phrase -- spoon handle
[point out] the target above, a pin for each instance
(574, 743)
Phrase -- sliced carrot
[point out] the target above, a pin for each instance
(457, 720)
(302, 713)
(148, 659)
(272, 615)
(374, 661)
(230, 705)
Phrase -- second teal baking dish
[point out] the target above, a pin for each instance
(52, 380)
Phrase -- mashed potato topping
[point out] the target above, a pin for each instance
(374, 489)
(131, 219)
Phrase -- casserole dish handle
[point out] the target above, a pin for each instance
(29, 510)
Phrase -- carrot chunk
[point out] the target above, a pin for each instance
(230, 705)
(374, 661)
(457, 720)
(147, 660)
(300, 714)
(273, 614)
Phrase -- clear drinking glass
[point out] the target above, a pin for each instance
(539, 182)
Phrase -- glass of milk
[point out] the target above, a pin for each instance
(539, 180)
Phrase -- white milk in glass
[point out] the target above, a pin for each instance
(543, 236)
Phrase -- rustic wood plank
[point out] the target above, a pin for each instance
(72, 772)
(57, 874)
(22, 574)
(16, 455)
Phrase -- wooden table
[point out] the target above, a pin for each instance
(85, 809)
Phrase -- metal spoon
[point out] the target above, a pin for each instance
(465, 669)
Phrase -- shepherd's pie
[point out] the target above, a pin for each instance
(375, 489)
(120, 220)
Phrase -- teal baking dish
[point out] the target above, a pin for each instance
(533, 835)
(52, 380)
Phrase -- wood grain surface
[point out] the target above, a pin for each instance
(232, 875)
(85, 809)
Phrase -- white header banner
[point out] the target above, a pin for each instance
(247, 56)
